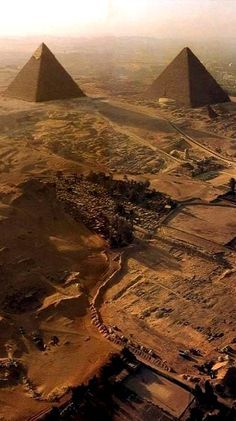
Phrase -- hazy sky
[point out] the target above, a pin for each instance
(161, 18)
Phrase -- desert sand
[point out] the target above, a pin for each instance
(176, 287)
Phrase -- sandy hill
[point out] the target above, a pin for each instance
(39, 244)
(49, 264)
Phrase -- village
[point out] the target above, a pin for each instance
(117, 251)
(113, 207)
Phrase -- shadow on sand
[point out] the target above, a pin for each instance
(130, 118)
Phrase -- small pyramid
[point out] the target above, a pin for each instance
(43, 78)
(188, 82)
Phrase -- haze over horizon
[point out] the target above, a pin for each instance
(161, 18)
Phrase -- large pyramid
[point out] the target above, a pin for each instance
(43, 79)
(188, 82)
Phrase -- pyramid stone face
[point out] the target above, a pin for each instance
(188, 82)
(43, 78)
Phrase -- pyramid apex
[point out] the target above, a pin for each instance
(186, 50)
(38, 53)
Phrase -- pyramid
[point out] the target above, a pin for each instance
(43, 79)
(188, 82)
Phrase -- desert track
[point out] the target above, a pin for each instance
(193, 142)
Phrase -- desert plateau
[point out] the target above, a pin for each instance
(117, 229)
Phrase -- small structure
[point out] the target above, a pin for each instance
(54, 340)
(38, 341)
(211, 113)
